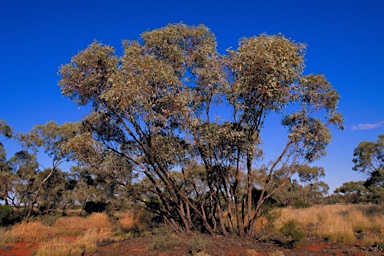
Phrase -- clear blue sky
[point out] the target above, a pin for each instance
(345, 42)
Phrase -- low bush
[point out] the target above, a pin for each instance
(372, 210)
(98, 206)
(6, 215)
(293, 233)
(198, 244)
(163, 238)
(301, 204)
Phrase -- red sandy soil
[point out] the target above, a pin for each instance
(235, 246)
(18, 249)
(217, 246)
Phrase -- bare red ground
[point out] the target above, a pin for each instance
(18, 249)
(217, 246)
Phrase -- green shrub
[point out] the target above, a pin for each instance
(98, 206)
(6, 215)
(49, 219)
(271, 217)
(293, 233)
(301, 204)
(372, 210)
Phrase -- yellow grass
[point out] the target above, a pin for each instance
(87, 243)
(32, 232)
(96, 221)
(134, 221)
(127, 221)
(339, 223)
(6, 237)
(89, 233)
(59, 247)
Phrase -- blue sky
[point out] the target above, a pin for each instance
(345, 41)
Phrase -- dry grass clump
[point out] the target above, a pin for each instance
(86, 243)
(6, 237)
(32, 232)
(90, 240)
(90, 232)
(59, 247)
(94, 230)
(134, 221)
(76, 225)
(127, 221)
(201, 254)
(276, 253)
(339, 223)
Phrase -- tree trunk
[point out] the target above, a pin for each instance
(37, 194)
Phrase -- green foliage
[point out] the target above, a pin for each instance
(98, 206)
(151, 114)
(368, 158)
(6, 215)
(49, 219)
(301, 204)
(5, 129)
(353, 192)
(293, 233)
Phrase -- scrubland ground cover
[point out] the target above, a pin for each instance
(347, 224)
(67, 236)
(345, 228)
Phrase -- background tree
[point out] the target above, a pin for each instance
(353, 191)
(312, 187)
(24, 179)
(53, 192)
(308, 188)
(368, 158)
(5, 174)
(152, 113)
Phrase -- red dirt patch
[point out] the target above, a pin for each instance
(315, 247)
(18, 249)
(217, 246)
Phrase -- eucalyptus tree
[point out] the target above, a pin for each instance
(141, 104)
(368, 158)
(313, 188)
(152, 113)
(354, 192)
(5, 174)
(17, 173)
(50, 138)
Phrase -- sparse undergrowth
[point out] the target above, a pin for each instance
(67, 236)
(293, 233)
(163, 238)
(344, 224)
